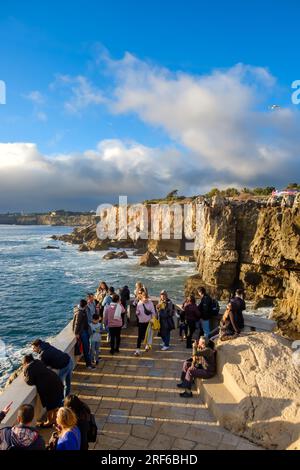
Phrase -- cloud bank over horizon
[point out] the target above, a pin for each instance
(219, 128)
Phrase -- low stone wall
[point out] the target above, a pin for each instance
(19, 392)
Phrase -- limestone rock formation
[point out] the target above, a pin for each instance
(83, 247)
(148, 259)
(254, 246)
(259, 373)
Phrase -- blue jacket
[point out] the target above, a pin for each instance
(70, 441)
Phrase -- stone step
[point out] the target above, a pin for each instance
(221, 403)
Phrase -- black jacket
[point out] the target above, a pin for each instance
(53, 357)
(165, 317)
(238, 305)
(48, 384)
(80, 321)
(205, 307)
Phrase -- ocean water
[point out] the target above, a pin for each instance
(38, 288)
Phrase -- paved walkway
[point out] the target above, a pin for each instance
(137, 405)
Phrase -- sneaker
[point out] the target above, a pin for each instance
(165, 348)
(91, 367)
(137, 352)
(162, 344)
(186, 395)
(147, 348)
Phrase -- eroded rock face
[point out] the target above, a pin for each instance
(259, 372)
(254, 246)
(148, 259)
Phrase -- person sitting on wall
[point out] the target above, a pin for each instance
(228, 328)
(49, 387)
(22, 436)
(56, 359)
(201, 365)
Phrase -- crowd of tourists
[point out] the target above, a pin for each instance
(105, 314)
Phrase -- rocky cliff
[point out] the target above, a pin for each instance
(48, 219)
(254, 245)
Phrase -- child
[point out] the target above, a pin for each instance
(96, 328)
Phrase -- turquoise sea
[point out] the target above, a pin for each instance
(38, 288)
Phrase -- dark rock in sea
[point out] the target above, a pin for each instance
(264, 302)
(50, 247)
(148, 259)
(83, 247)
(115, 255)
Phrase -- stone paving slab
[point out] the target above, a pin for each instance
(137, 404)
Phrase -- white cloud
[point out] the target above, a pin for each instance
(222, 118)
(36, 97)
(30, 180)
(41, 116)
(82, 93)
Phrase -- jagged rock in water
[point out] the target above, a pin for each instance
(162, 257)
(115, 255)
(83, 247)
(148, 259)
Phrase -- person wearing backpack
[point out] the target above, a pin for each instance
(113, 321)
(145, 311)
(84, 418)
(22, 436)
(206, 310)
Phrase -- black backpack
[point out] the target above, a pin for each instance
(93, 429)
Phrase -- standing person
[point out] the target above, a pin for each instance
(113, 320)
(91, 306)
(139, 287)
(48, 385)
(145, 311)
(22, 436)
(125, 298)
(56, 359)
(69, 437)
(96, 329)
(108, 298)
(238, 306)
(81, 330)
(165, 309)
(83, 415)
(192, 315)
(205, 309)
(201, 365)
(100, 295)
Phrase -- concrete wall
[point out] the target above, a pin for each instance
(20, 393)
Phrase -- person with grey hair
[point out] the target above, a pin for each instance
(201, 365)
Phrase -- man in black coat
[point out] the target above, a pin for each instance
(56, 359)
(238, 306)
(22, 436)
(205, 309)
(49, 386)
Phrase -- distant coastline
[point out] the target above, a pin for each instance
(54, 218)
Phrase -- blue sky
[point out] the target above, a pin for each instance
(70, 88)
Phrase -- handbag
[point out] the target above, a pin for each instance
(155, 324)
(78, 348)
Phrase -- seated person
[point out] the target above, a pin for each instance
(228, 328)
(202, 365)
(22, 436)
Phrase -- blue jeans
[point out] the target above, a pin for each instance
(65, 375)
(166, 338)
(85, 339)
(95, 348)
(206, 327)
